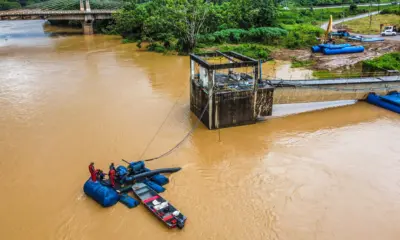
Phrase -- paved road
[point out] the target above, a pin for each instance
(325, 25)
(346, 6)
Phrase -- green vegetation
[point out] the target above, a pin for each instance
(325, 74)
(390, 61)
(182, 24)
(267, 35)
(391, 10)
(256, 51)
(299, 63)
(362, 25)
(6, 5)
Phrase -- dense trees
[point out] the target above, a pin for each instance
(179, 23)
(15, 4)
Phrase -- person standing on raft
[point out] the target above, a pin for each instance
(111, 175)
(92, 171)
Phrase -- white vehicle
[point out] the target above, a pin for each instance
(389, 31)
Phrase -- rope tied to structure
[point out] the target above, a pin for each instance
(183, 140)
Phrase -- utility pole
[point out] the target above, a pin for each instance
(379, 5)
(370, 15)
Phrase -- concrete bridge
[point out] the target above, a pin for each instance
(85, 14)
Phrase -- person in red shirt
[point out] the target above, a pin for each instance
(92, 171)
(111, 175)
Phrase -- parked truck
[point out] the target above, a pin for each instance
(389, 30)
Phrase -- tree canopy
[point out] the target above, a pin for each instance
(184, 20)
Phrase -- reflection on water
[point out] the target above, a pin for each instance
(66, 101)
(279, 69)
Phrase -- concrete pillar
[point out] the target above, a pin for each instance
(255, 90)
(211, 75)
(88, 6)
(87, 24)
(82, 7)
(87, 27)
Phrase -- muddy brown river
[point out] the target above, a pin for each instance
(67, 100)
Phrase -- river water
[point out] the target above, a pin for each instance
(69, 100)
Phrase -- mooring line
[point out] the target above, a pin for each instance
(162, 124)
(183, 140)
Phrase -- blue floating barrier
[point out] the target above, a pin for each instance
(154, 186)
(160, 179)
(128, 201)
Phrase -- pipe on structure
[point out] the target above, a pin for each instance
(154, 172)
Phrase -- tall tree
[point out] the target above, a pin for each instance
(187, 18)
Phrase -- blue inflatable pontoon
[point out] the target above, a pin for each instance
(104, 195)
(390, 102)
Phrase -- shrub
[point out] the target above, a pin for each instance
(251, 50)
(302, 36)
(262, 34)
(156, 47)
(390, 61)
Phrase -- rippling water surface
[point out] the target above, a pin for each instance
(69, 100)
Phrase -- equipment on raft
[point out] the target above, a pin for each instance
(390, 102)
(155, 172)
(157, 205)
(352, 49)
(104, 195)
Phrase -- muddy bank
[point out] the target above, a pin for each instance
(331, 62)
(372, 50)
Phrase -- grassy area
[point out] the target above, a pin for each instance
(390, 61)
(325, 74)
(299, 63)
(318, 16)
(362, 25)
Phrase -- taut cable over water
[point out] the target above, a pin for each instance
(180, 142)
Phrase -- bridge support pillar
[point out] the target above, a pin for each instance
(87, 27)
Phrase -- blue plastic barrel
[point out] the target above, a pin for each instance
(104, 195)
(315, 49)
(354, 49)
